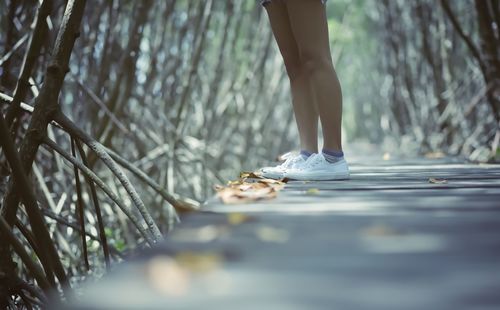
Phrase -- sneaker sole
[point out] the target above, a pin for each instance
(326, 177)
(269, 175)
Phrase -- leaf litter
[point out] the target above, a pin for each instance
(249, 187)
(437, 181)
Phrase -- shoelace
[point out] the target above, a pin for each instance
(312, 161)
(290, 161)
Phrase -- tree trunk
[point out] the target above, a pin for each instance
(46, 105)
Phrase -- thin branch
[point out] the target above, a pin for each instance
(182, 204)
(100, 151)
(35, 45)
(75, 226)
(47, 101)
(50, 258)
(79, 207)
(95, 200)
(102, 105)
(33, 267)
(461, 33)
(91, 175)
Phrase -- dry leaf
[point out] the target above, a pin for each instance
(312, 191)
(434, 155)
(258, 193)
(241, 191)
(234, 183)
(271, 234)
(271, 181)
(218, 187)
(199, 262)
(236, 195)
(238, 218)
(166, 276)
(250, 175)
(386, 156)
(245, 187)
(437, 181)
(378, 230)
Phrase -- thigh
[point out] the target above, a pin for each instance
(280, 25)
(309, 25)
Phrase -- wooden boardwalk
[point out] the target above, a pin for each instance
(386, 239)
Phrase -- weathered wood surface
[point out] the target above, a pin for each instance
(386, 239)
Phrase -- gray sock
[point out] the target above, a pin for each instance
(332, 156)
(305, 154)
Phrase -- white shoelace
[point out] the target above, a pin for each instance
(290, 161)
(313, 160)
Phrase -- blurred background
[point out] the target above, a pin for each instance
(193, 92)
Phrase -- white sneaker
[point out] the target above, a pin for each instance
(317, 168)
(278, 172)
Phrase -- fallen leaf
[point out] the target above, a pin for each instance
(234, 183)
(259, 193)
(218, 187)
(312, 191)
(235, 195)
(271, 181)
(250, 175)
(245, 187)
(248, 188)
(434, 155)
(275, 184)
(378, 230)
(437, 181)
(386, 156)
(166, 276)
(199, 262)
(272, 234)
(238, 218)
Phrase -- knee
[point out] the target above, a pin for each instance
(293, 68)
(314, 62)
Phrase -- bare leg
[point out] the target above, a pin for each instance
(310, 29)
(302, 97)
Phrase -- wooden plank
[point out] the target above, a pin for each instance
(386, 239)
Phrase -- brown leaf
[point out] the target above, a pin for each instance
(312, 191)
(245, 187)
(272, 234)
(236, 218)
(199, 262)
(437, 181)
(236, 195)
(218, 187)
(249, 187)
(434, 155)
(250, 175)
(271, 181)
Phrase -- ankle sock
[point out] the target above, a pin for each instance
(332, 156)
(305, 154)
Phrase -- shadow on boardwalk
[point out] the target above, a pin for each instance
(386, 239)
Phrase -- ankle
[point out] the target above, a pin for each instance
(333, 152)
(305, 154)
(332, 155)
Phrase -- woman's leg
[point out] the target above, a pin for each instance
(310, 29)
(302, 97)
